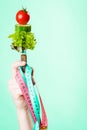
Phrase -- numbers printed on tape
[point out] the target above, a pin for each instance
(24, 90)
(32, 98)
(33, 95)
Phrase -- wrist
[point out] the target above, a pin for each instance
(24, 119)
(22, 110)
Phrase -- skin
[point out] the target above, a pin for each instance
(24, 118)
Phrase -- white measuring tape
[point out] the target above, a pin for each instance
(32, 98)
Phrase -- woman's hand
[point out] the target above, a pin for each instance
(24, 118)
(15, 90)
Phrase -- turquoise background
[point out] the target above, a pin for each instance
(59, 60)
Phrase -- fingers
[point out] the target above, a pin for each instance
(15, 69)
(13, 84)
(16, 65)
(14, 88)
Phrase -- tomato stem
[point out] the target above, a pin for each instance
(24, 9)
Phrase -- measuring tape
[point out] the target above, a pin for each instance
(32, 98)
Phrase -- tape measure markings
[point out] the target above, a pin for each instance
(24, 90)
(32, 98)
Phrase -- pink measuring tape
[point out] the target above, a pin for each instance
(25, 92)
(43, 121)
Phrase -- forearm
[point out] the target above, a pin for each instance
(24, 120)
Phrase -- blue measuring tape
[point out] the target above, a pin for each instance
(32, 97)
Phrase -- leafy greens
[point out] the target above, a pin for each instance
(23, 40)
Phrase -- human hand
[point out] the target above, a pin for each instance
(14, 88)
(24, 117)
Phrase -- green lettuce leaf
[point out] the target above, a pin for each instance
(23, 40)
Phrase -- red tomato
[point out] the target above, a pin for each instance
(22, 17)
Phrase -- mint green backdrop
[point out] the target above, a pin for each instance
(59, 60)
